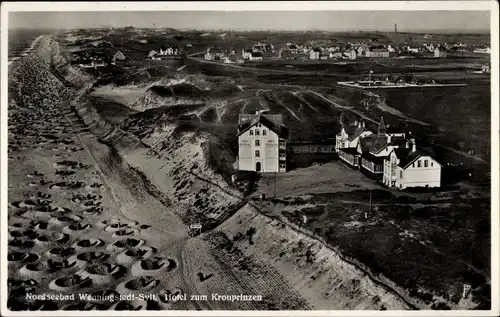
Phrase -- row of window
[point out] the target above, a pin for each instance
(419, 163)
(257, 132)
(257, 154)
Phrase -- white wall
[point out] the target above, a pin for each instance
(420, 176)
(269, 150)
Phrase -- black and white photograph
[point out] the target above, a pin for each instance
(250, 158)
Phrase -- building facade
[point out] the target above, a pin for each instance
(411, 167)
(262, 144)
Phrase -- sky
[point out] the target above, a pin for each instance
(471, 21)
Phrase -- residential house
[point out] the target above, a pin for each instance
(411, 167)
(362, 49)
(256, 56)
(314, 53)
(412, 49)
(215, 53)
(429, 47)
(262, 143)
(346, 142)
(285, 54)
(335, 54)
(152, 53)
(246, 53)
(377, 52)
(169, 50)
(118, 56)
(352, 55)
(323, 55)
(485, 50)
(294, 49)
(485, 69)
(380, 146)
(440, 52)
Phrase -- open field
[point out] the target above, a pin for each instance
(430, 229)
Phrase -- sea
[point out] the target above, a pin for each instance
(21, 41)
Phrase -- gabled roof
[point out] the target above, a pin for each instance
(391, 130)
(353, 131)
(280, 130)
(367, 142)
(373, 158)
(406, 156)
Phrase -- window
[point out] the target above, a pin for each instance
(264, 132)
(282, 143)
(282, 165)
(432, 164)
(257, 132)
(251, 132)
(413, 165)
(257, 142)
(426, 163)
(400, 174)
(419, 163)
(257, 153)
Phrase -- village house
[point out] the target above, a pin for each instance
(262, 143)
(246, 53)
(215, 54)
(314, 53)
(256, 56)
(346, 142)
(352, 55)
(377, 52)
(294, 49)
(412, 49)
(285, 54)
(152, 54)
(335, 54)
(440, 52)
(168, 50)
(485, 50)
(362, 50)
(411, 167)
(375, 148)
(118, 56)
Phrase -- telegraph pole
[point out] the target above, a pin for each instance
(274, 185)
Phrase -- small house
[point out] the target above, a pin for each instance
(440, 52)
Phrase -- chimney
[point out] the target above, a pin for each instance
(356, 122)
(388, 138)
(363, 124)
(414, 145)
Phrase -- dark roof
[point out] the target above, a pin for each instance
(379, 50)
(281, 131)
(350, 150)
(407, 157)
(317, 49)
(293, 47)
(366, 143)
(391, 129)
(248, 50)
(257, 54)
(373, 158)
(353, 131)
(379, 144)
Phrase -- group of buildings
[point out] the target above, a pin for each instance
(388, 155)
(95, 60)
(257, 52)
(165, 52)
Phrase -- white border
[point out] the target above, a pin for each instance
(491, 6)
